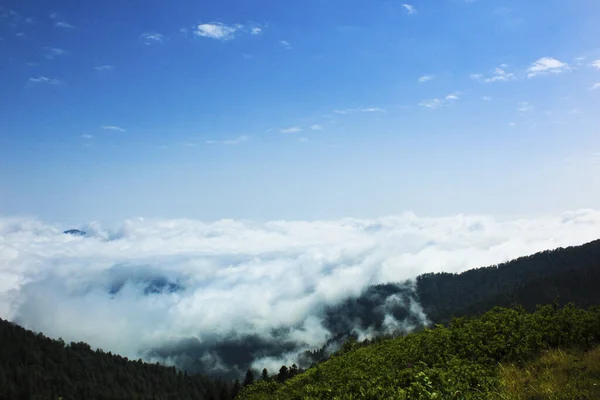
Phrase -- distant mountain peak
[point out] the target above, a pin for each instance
(74, 232)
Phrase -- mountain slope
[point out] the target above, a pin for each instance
(445, 295)
(33, 366)
(460, 361)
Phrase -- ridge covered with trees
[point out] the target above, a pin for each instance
(471, 358)
(33, 366)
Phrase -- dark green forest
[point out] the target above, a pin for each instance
(569, 274)
(33, 366)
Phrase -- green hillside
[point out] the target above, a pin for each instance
(468, 359)
(33, 366)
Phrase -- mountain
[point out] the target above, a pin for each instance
(33, 366)
(74, 232)
(572, 274)
(484, 357)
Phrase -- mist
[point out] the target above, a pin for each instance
(219, 297)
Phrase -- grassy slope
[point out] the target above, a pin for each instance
(460, 361)
(556, 374)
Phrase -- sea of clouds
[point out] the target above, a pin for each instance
(160, 289)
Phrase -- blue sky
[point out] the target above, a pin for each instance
(297, 110)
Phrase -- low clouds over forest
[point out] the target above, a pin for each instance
(220, 296)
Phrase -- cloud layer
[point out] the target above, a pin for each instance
(173, 287)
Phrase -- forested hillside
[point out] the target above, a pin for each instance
(564, 275)
(571, 273)
(479, 358)
(33, 366)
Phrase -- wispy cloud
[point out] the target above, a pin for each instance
(439, 102)
(303, 139)
(53, 52)
(487, 98)
(426, 78)
(410, 8)
(524, 107)
(152, 38)
(595, 86)
(217, 30)
(285, 44)
(86, 136)
(64, 24)
(316, 127)
(547, 65)
(498, 75)
(113, 128)
(104, 68)
(256, 30)
(357, 110)
(44, 79)
(596, 64)
(293, 129)
(230, 142)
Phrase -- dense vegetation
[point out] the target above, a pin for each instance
(468, 359)
(572, 274)
(33, 366)
(564, 275)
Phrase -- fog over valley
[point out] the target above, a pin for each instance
(218, 297)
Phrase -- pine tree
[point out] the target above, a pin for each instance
(236, 389)
(249, 379)
(265, 374)
(283, 373)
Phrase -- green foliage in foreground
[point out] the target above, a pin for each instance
(557, 374)
(460, 361)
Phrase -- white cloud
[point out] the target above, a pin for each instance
(113, 128)
(230, 142)
(44, 79)
(241, 276)
(63, 24)
(596, 64)
(152, 38)
(524, 107)
(256, 31)
(411, 9)
(426, 78)
(432, 103)
(316, 127)
(217, 30)
(358, 110)
(86, 136)
(546, 65)
(104, 68)
(437, 102)
(293, 129)
(53, 52)
(285, 44)
(595, 86)
(498, 75)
